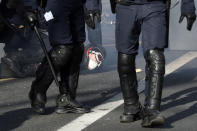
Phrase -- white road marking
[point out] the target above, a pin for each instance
(101, 110)
(180, 62)
(7, 79)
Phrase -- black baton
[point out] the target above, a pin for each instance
(46, 55)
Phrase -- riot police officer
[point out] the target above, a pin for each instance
(66, 28)
(147, 17)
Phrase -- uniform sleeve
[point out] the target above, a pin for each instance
(188, 6)
(93, 4)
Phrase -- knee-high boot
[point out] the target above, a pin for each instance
(66, 101)
(155, 61)
(60, 55)
(128, 83)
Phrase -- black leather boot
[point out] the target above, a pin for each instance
(128, 81)
(37, 94)
(66, 101)
(38, 101)
(75, 69)
(60, 55)
(155, 60)
(65, 104)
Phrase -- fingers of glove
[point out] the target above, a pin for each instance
(181, 18)
(92, 18)
(191, 18)
(190, 23)
(90, 21)
(189, 26)
(98, 16)
(91, 25)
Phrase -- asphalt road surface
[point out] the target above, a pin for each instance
(100, 90)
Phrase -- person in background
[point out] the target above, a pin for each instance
(94, 51)
(20, 58)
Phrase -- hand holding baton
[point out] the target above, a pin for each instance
(32, 21)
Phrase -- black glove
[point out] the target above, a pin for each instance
(90, 18)
(191, 18)
(31, 19)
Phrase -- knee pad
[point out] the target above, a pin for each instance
(61, 55)
(126, 63)
(155, 61)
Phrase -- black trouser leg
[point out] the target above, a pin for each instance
(156, 65)
(128, 83)
(70, 74)
(39, 87)
(155, 61)
(64, 75)
(66, 102)
(60, 56)
(75, 69)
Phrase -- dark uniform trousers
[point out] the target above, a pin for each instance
(68, 25)
(148, 19)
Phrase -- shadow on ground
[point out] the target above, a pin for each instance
(181, 98)
(15, 118)
(179, 77)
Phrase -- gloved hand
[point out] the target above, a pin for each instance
(31, 19)
(90, 17)
(191, 18)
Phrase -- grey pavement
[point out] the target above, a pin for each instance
(179, 103)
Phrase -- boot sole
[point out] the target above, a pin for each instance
(37, 111)
(126, 119)
(155, 122)
(78, 111)
(33, 108)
